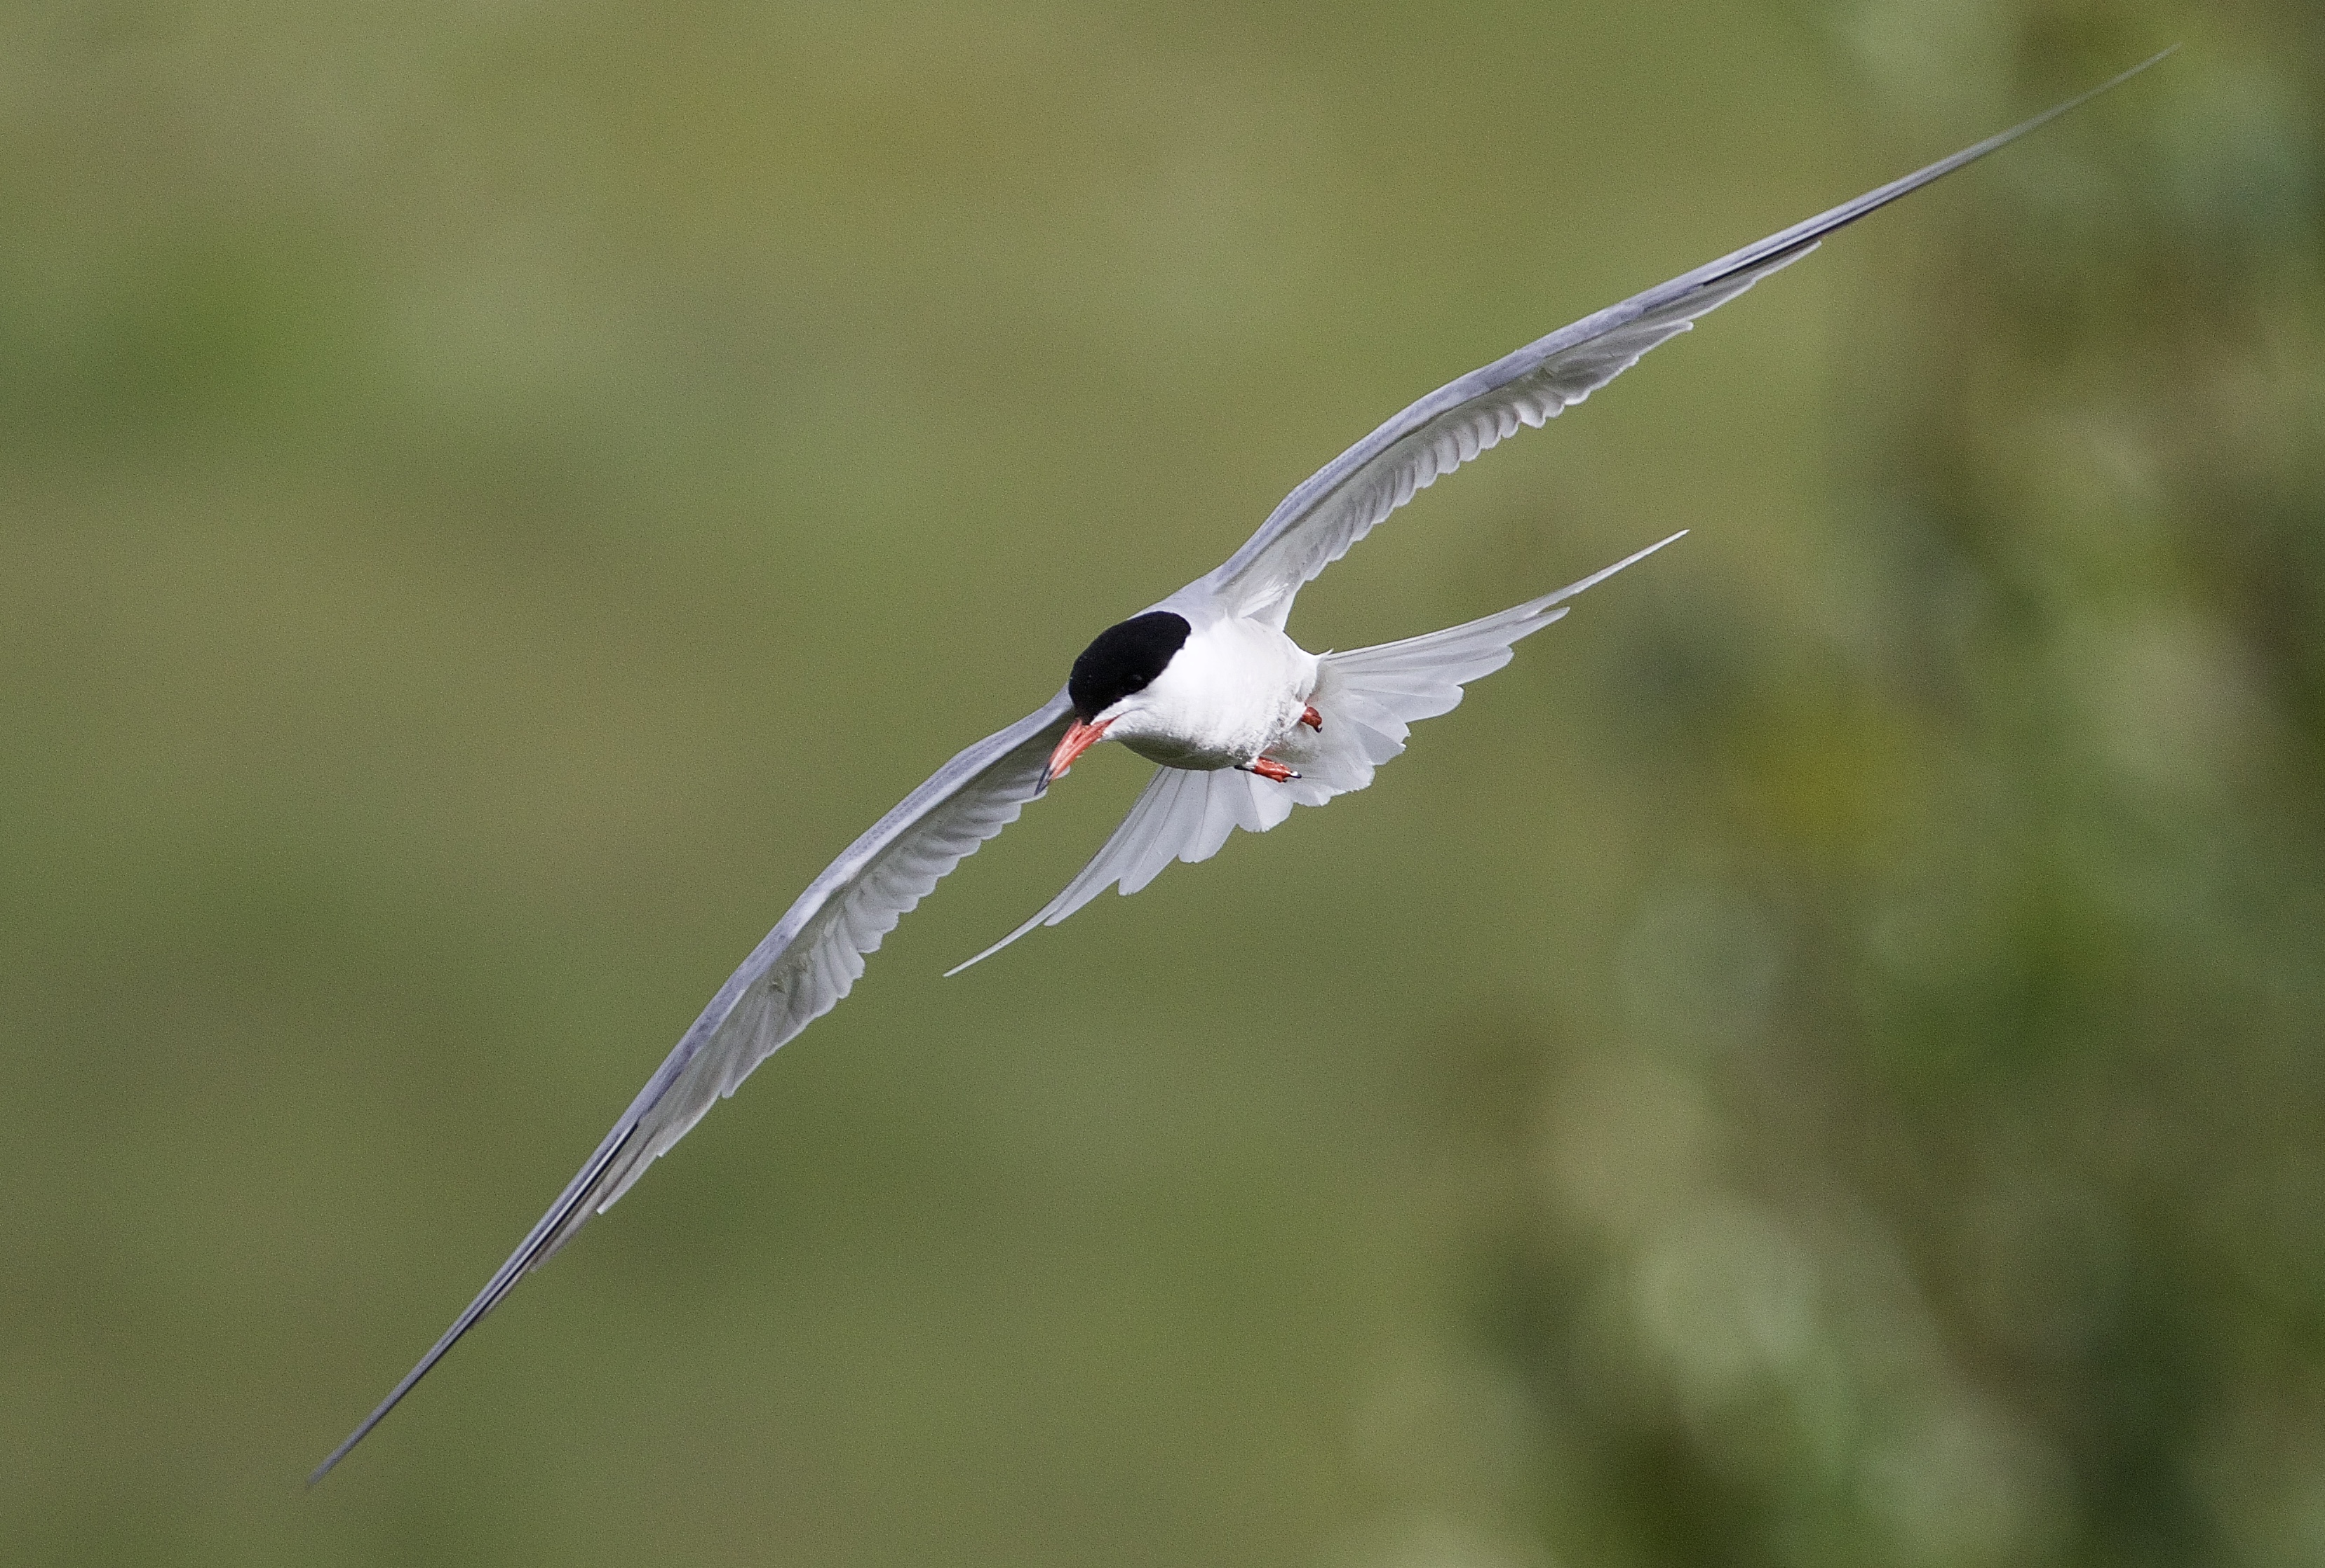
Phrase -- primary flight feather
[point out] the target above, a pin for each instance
(1242, 723)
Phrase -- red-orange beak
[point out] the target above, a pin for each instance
(1081, 738)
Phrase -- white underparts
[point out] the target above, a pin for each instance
(1234, 688)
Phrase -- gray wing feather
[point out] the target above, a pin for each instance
(799, 973)
(1342, 501)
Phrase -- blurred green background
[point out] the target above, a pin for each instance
(1821, 1062)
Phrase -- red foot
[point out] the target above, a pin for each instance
(1268, 768)
(1312, 719)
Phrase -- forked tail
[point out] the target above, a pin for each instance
(1369, 699)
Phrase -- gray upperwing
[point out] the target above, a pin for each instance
(1342, 501)
(799, 973)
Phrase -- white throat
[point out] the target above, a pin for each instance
(1235, 688)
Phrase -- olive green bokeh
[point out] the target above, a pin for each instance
(1821, 1062)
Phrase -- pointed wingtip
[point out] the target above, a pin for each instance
(2079, 99)
(2004, 138)
(1787, 245)
(331, 1460)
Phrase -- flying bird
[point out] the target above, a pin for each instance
(1242, 722)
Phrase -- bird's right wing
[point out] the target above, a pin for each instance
(804, 967)
(1342, 501)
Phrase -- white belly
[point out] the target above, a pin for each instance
(1235, 689)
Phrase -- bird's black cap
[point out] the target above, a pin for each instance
(1125, 658)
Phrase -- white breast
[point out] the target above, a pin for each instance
(1234, 688)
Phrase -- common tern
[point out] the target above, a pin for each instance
(1242, 722)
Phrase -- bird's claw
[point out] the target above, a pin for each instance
(1312, 719)
(1268, 768)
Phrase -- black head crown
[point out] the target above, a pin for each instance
(1125, 658)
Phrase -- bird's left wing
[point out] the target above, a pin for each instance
(1342, 501)
(803, 969)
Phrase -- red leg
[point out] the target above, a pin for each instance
(1268, 768)
(1312, 719)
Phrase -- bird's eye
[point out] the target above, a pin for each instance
(1124, 660)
